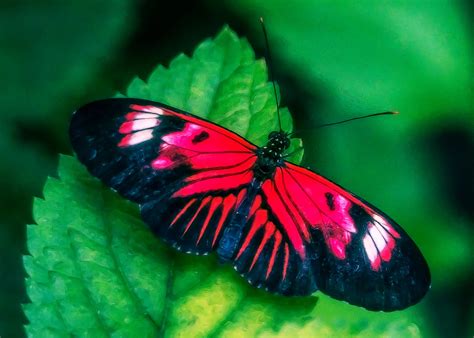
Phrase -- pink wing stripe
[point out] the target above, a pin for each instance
(181, 213)
(259, 220)
(216, 201)
(256, 204)
(209, 161)
(269, 230)
(276, 246)
(203, 204)
(232, 170)
(240, 197)
(285, 263)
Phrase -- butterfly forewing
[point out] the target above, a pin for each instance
(187, 174)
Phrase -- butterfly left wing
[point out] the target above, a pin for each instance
(188, 175)
(337, 243)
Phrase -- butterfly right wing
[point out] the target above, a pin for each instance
(306, 233)
(357, 252)
(188, 175)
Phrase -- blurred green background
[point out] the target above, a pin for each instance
(332, 60)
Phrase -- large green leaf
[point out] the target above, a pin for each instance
(95, 269)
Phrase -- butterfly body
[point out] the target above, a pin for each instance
(202, 189)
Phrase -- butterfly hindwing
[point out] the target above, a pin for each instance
(188, 175)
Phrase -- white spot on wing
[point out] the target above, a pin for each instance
(140, 137)
(377, 237)
(144, 116)
(383, 232)
(144, 124)
(370, 248)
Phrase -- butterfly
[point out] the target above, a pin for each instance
(202, 188)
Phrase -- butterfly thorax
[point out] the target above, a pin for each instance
(270, 156)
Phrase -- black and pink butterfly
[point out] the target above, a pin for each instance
(203, 188)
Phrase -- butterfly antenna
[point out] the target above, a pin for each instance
(270, 68)
(355, 118)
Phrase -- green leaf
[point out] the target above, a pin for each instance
(95, 269)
